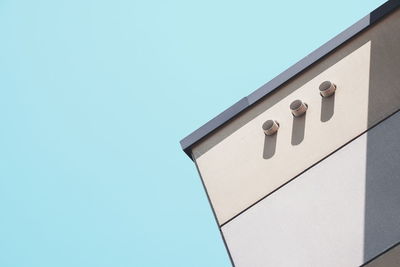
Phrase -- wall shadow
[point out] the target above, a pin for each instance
(270, 145)
(298, 129)
(327, 107)
(382, 184)
(382, 191)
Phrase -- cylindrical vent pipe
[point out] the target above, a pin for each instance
(298, 108)
(327, 88)
(270, 127)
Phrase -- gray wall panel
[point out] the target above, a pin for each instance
(382, 188)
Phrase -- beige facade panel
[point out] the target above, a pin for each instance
(342, 212)
(389, 259)
(240, 164)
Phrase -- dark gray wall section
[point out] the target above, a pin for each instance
(290, 73)
(382, 188)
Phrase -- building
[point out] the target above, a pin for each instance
(313, 182)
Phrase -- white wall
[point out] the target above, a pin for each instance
(239, 165)
(322, 217)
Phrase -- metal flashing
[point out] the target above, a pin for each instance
(247, 102)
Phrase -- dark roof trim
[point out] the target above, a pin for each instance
(246, 102)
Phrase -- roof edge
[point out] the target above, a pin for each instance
(246, 102)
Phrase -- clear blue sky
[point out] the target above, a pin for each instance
(94, 98)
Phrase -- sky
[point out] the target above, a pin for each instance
(94, 99)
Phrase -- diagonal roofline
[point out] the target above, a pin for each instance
(248, 101)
